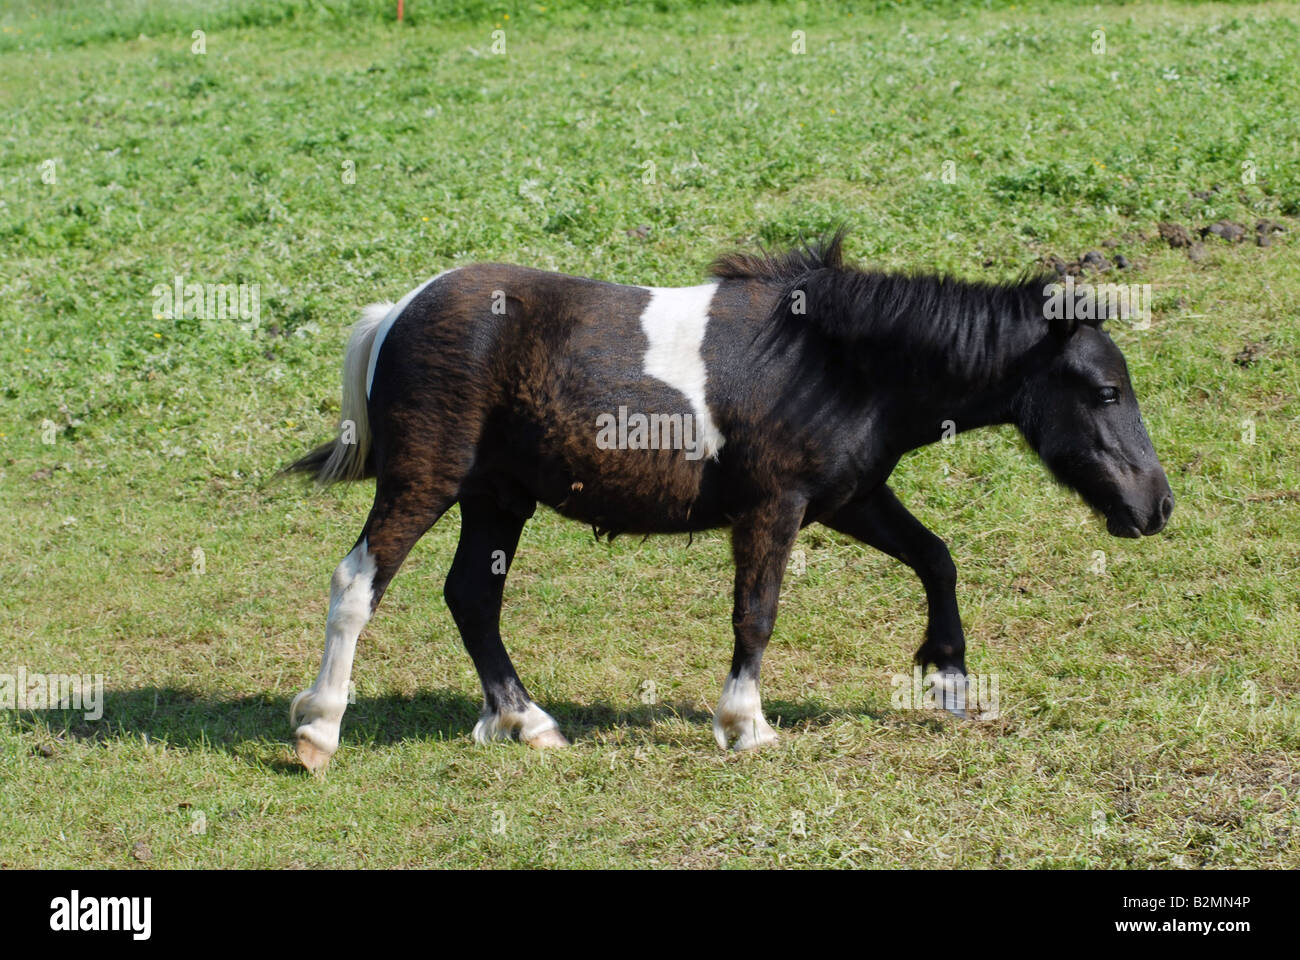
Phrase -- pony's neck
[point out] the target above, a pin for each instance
(947, 395)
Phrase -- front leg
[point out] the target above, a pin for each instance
(884, 523)
(760, 543)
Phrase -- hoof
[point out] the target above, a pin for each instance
(754, 738)
(739, 716)
(547, 739)
(310, 755)
(749, 734)
(316, 729)
(950, 686)
(531, 725)
(750, 739)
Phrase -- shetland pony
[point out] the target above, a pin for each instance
(779, 393)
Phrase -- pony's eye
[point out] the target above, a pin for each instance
(1107, 394)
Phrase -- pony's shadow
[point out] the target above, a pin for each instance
(186, 719)
(242, 726)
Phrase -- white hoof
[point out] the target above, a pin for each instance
(950, 690)
(756, 734)
(532, 725)
(739, 717)
(316, 729)
(546, 740)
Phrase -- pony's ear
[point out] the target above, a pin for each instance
(1065, 313)
(1050, 298)
(1107, 309)
(1063, 328)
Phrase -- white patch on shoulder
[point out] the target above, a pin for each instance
(386, 324)
(674, 322)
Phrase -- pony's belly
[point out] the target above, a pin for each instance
(624, 516)
(659, 494)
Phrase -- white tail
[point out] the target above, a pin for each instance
(348, 458)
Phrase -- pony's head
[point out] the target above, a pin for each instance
(1079, 412)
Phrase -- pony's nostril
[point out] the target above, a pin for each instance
(1166, 507)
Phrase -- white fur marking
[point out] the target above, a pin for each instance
(390, 318)
(318, 710)
(674, 322)
(525, 724)
(740, 715)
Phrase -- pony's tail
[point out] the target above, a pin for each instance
(348, 457)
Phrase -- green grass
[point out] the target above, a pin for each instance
(1148, 715)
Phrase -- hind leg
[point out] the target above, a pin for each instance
(489, 535)
(397, 520)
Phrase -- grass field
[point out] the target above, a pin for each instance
(1148, 710)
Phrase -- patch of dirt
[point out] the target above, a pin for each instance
(1264, 231)
(1227, 230)
(1249, 354)
(1175, 234)
(1091, 261)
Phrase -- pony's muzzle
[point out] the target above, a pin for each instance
(1161, 516)
(1158, 514)
(1135, 520)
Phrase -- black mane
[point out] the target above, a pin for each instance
(968, 328)
(824, 254)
